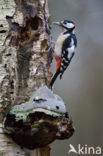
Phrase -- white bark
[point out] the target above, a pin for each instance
(10, 79)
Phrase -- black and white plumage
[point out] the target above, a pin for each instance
(65, 48)
(68, 51)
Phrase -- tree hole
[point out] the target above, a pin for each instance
(35, 23)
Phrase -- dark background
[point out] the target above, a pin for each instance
(82, 84)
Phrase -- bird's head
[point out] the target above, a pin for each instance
(67, 25)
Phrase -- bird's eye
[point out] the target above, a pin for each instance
(57, 107)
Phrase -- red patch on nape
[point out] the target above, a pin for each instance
(74, 25)
(58, 60)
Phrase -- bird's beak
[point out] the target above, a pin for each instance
(57, 23)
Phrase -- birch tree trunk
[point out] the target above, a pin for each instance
(25, 44)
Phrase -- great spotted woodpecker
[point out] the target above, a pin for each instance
(65, 48)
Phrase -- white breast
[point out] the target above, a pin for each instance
(59, 43)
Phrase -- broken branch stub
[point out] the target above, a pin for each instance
(39, 121)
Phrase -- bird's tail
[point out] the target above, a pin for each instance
(54, 78)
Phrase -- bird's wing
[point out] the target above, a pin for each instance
(65, 53)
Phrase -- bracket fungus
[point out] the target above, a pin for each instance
(39, 121)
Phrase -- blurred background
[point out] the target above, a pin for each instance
(82, 84)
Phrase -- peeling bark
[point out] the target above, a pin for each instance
(25, 44)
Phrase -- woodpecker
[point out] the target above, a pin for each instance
(65, 48)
